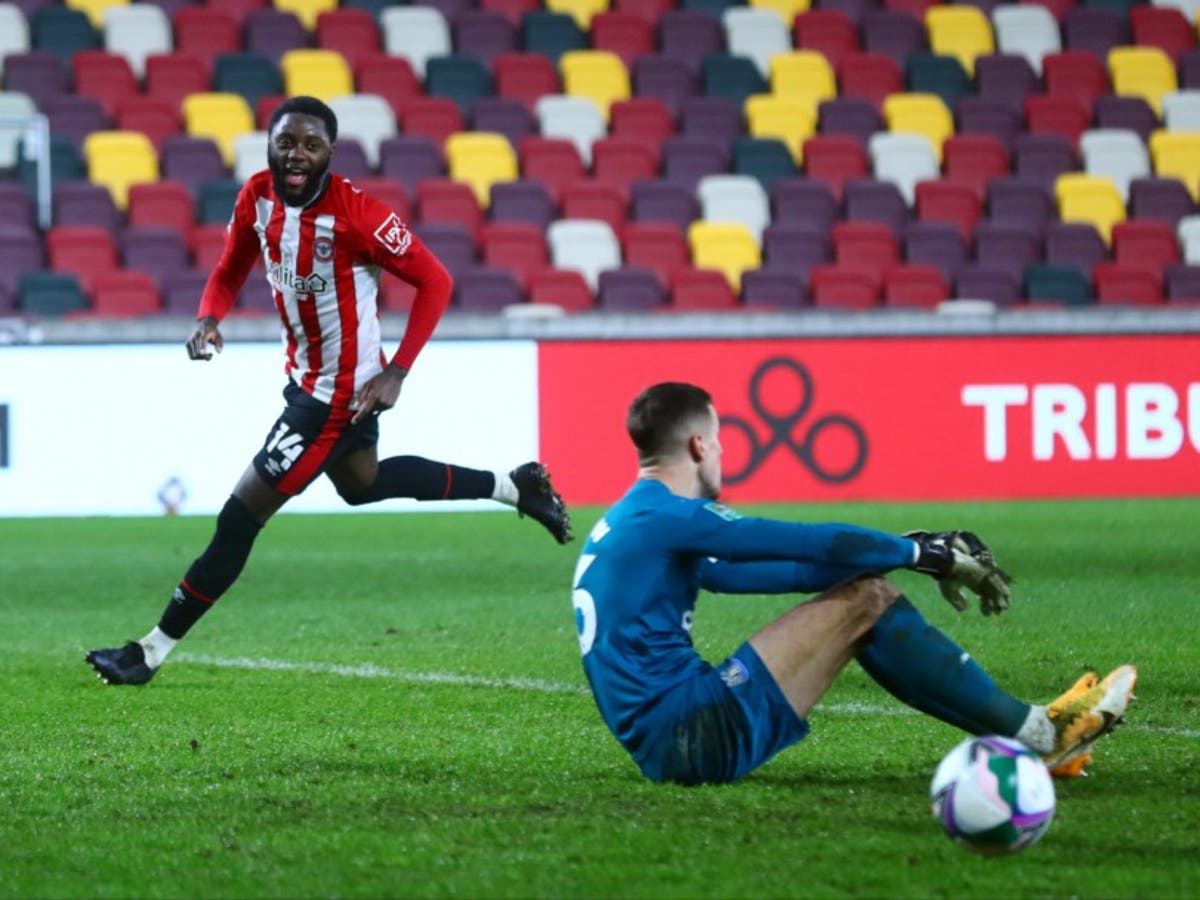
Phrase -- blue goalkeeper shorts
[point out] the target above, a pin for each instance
(720, 725)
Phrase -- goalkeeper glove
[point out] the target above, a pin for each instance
(959, 559)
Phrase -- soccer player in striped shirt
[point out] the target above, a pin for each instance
(324, 243)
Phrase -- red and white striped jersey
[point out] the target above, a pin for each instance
(323, 263)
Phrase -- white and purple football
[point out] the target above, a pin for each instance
(993, 795)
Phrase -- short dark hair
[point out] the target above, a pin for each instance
(659, 416)
(308, 106)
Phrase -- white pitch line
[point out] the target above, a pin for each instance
(537, 685)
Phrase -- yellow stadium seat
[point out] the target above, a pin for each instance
(323, 74)
(787, 9)
(925, 114)
(118, 159)
(963, 32)
(481, 159)
(95, 9)
(803, 75)
(306, 10)
(725, 246)
(786, 118)
(1176, 154)
(1091, 199)
(580, 10)
(1142, 72)
(222, 117)
(597, 74)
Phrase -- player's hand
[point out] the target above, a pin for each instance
(206, 333)
(959, 559)
(380, 392)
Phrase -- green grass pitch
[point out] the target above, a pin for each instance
(393, 706)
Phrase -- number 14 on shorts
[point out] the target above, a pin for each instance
(283, 448)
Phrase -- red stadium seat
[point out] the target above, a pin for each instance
(828, 31)
(206, 33)
(351, 32)
(124, 294)
(152, 116)
(1164, 27)
(1149, 243)
(974, 160)
(595, 200)
(914, 285)
(1124, 284)
(525, 77)
(626, 34)
(172, 76)
(834, 159)
(389, 192)
(867, 247)
(618, 162)
(834, 286)
(649, 11)
(949, 201)
(513, 10)
(207, 243)
(390, 77)
(1076, 74)
(702, 290)
(644, 119)
(83, 251)
(237, 9)
(915, 8)
(872, 76)
(442, 200)
(657, 246)
(1056, 114)
(433, 117)
(553, 161)
(561, 287)
(517, 246)
(106, 77)
(166, 204)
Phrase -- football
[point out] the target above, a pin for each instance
(993, 795)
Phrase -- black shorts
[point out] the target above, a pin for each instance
(307, 439)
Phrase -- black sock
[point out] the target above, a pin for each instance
(214, 571)
(425, 479)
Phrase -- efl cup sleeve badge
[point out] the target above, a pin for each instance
(394, 235)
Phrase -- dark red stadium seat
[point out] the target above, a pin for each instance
(626, 34)
(525, 77)
(834, 159)
(207, 243)
(595, 200)
(124, 294)
(649, 11)
(561, 287)
(1124, 284)
(828, 31)
(658, 247)
(974, 160)
(619, 162)
(868, 247)
(513, 10)
(1164, 27)
(949, 201)
(1057, 114)
(443, 200)
(168, 204)
(390, 77)
(83, 251)
(834, 286)
(433, 117)
(1149, 243)
(152, 116)
(236, 8)
(1076, 74)
(701, 290)
(644, 119)
(264, 108)
(351, 32)
(914, 285)
(872, 76)
(107, 77)
(516, 246)
(553, 161)
(206, 33)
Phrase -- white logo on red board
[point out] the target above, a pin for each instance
(394, 235)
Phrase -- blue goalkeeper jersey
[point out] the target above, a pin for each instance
(643, 565)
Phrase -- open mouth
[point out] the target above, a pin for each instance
(295, 178)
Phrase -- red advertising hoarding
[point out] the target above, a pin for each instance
(894, 418)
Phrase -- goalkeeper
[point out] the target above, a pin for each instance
(684, 720)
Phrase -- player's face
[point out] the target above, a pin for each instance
(710, 465)
(298, 155)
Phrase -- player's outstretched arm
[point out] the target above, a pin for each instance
(207, 332)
